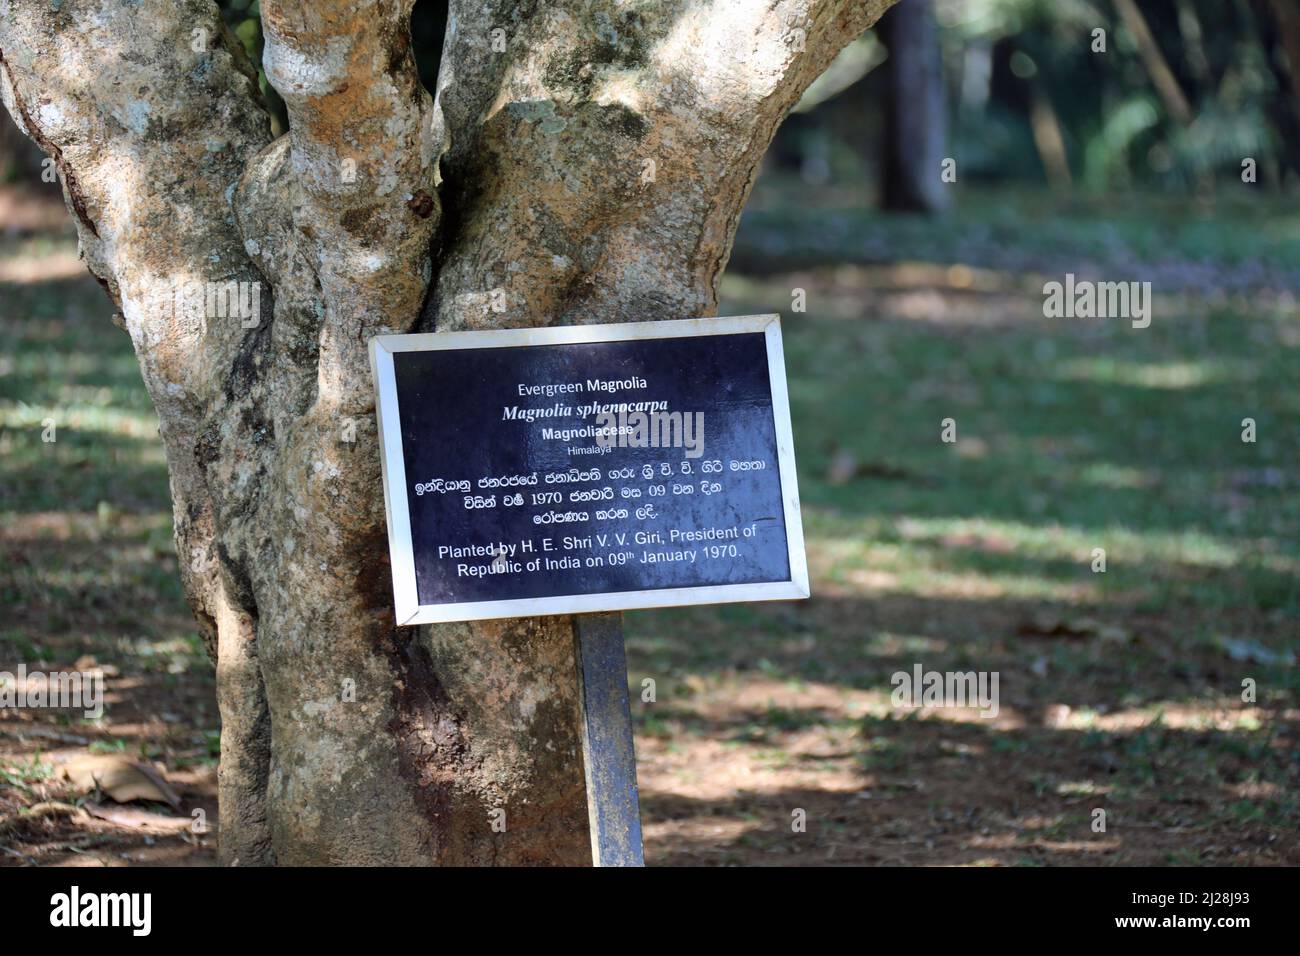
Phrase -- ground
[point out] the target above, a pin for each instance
(1120, 691)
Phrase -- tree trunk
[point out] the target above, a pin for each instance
(589, 161)
(916, 112)
(1279, 26)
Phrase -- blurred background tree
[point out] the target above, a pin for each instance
(915, 137)
(1101, 95)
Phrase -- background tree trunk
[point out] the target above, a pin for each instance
(20, 158)
(589, 161)
(916, 112)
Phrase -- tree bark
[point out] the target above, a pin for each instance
(1280, 25)
(1157, 67)
(588, 163)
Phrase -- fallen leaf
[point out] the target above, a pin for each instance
(120, 778)
(135, 817)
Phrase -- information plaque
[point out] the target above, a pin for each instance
(588, 468)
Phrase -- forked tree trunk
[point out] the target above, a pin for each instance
(583, 161)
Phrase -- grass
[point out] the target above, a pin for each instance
(1244, 231)
(1071, 436)
(1119, 689)
(83, 501)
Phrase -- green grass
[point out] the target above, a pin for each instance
(1244, 229)
(63, 361)
(34, 770)
(83, 504)
(1072, 435)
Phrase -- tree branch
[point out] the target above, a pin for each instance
(599, 156)
(361, 171)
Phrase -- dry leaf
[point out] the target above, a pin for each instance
(120, 778)
(135, 817)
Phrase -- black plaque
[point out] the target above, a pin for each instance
(588, 468)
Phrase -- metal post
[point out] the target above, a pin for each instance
(613, 808)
